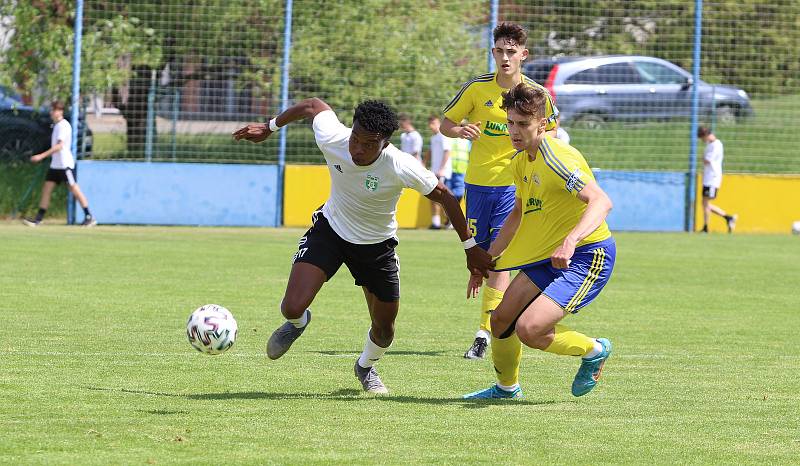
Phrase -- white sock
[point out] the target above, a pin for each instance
(483, 334)
(436, 220)
(508, 388)
(598, 348)
(301, 321)
(371, 354)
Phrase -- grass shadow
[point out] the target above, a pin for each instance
(388, 353)
(345, 394)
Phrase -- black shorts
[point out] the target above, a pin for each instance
(374, 266)
(61, 175)
(710, 192)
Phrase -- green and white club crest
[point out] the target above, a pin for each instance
(371, 183)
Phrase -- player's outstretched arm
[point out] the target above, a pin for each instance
(257, 132)
(597, 209)
(478, 260)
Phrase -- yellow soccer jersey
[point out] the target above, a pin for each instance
(548, 186)
(479, 100)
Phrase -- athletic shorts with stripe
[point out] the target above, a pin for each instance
(61, 175)
(577, 285)
(487, 209)
(374, 266)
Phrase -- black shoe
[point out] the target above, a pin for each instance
(478, 349)
(434, 227)
(731, 220)
(89, 222)
(31, 222)
(704, 230)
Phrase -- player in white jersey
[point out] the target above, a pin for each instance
(712, 179)
(62, 168)
(357, 225)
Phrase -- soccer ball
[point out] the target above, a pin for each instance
(796, 228)
(211, 329)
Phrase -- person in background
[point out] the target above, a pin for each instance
(441, 166)
(712, 178)
(62, 168)
(410, 139)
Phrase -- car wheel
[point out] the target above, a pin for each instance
(19, 144)
(589, 121)
(726, 115)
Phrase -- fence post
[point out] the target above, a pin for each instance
(691, 189)
(176, 102)
(76, 89)
(150, 122)
(285, 64)
(494, 7)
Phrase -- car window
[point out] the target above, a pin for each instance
(656, 73)
(617, 73)
(538, 71)
(584, 77)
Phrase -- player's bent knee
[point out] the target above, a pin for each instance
(533, 336)
(500, 328)
(293, 306)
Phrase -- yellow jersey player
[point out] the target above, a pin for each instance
(489, 185)
(557, 237)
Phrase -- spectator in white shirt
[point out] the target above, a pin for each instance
(410, 139)
(62, 168)
(441, 165)
(712, 178)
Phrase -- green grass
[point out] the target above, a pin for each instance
(96, 368)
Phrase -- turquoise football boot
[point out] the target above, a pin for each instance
(494, 392)
(590, 370)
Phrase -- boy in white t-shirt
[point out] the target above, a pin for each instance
(357, 225)
(712, 178)
(62, 168)
(410, 139)
(441, 165)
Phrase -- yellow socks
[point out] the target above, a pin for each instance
(506, 355)
(490, 298)
(568, 342)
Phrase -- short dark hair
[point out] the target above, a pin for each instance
(512, 32)
(703, 131)
(526, 99)
(404, 117)
(432, 117)
(57, 105)
(376, 117)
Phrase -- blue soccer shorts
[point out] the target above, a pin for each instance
(487, 209)
(457, 185)
(577, 285)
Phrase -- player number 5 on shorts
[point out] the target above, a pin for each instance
(472, 227)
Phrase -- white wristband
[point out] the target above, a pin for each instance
(273, 125)
(470, 242)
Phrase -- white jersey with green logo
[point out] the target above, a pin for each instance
(363, 201)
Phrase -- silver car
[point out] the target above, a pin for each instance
(592, 90)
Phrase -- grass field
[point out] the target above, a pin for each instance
(96, 368)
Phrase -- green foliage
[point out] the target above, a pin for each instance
(413, 54)
(21, 187)
(749, 43)
(41, 48)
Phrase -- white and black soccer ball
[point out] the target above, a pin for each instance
(211, 329)
(796, 228)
